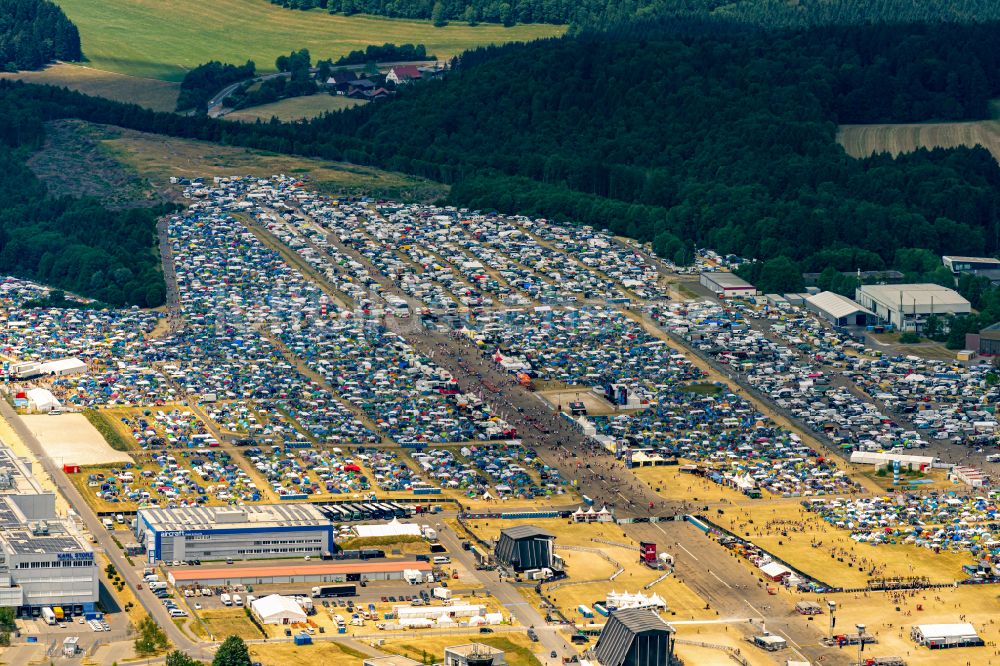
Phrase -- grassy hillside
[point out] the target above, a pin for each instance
(157, 39)
(151, 93)
(295, 108)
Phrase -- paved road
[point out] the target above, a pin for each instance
(152, 605)
(729, 587)
(512, 600)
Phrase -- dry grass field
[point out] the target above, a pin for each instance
(808, 543)
(295, 108)
(162, 40)
(156, 158)
(151, 93)
(517, 647)
(322, 652)
(863, 140)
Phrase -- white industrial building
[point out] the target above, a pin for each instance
(839, 310)
(62, 367)
(907, 306)
(44, 561)
(276, 609)
(41, 400)
(727, 285)
(905, 460)
(938, 636)
(239, 533)
(391, 529)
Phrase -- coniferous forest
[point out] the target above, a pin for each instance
(698, 134)
(34, 33)
(600, 13)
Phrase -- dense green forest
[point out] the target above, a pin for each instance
(204, 81)
(34, 33)
(385, 53)
(74, 244)
(722, 139)
(598, 13)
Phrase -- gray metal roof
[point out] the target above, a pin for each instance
(526, 532)
(638, 620)
(222, 518)
(623, 626)
(835, 305)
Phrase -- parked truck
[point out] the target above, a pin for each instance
(441, 593)
(48, 615)
(335, 591)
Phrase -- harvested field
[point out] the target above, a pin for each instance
(863, 140)
(151, 93)
(70, 438)
(296, 108)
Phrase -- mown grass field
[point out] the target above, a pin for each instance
(295, 108)
(151, 93)
(162, 40)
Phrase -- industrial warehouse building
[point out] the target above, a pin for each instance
(43, 559)
(840, 310)
(907, 306)
(279, 574)
(635, 637)
(988, 340)
(524, 547)
(238, 533)
(727, 285)
(940, 636)
(970, 264)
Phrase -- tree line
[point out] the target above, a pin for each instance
(599, 13)
(204, 81)
(33, 33)
(724, 139)
(73, 244)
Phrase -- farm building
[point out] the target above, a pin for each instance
(727, 285)
(839, 310)
(276, 609)
(635, 637)
(940, 636)
(525, 547)
(240, 533)
(907, 306)
(321, 572)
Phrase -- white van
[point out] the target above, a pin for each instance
(441, 559)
